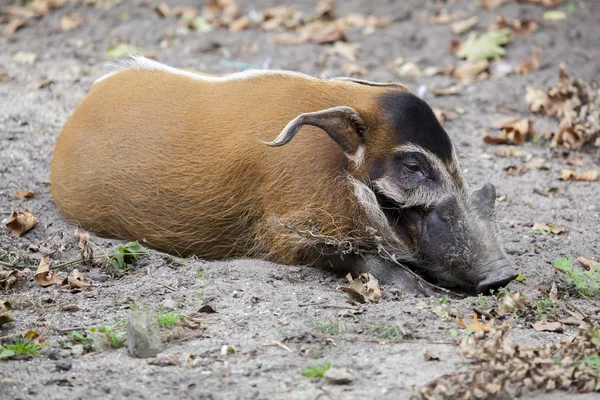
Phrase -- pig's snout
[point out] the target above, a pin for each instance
(499, 275)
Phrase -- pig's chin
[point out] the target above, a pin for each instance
(440, 275)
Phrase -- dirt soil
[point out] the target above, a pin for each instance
(265, 310)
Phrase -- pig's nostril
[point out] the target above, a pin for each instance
(495, 282)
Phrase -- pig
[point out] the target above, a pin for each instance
(346, 174)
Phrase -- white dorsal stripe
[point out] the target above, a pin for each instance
(142, 63)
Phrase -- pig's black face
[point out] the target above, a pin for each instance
(455, 244)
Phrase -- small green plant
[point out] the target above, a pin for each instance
(483, 304)
(198, 295)
(82, 338)
(20, 347)
(546, 309)
(316, 370)
(384, 331)
(327, 326)
(445, 299)
(444, 313)
(116, 338)
(126, 255)
(168, 319)
(586, 283)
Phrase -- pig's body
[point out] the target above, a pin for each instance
(176, 160)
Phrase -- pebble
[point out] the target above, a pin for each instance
(63, 365)
(77, 350)
(143, 335)
(338, 376)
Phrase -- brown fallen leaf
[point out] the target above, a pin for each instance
(240, 24)
(587, 176)
(43, 276)
(221, 12)
(465, 25)
(429, 357)
(472, 71)
(475, 325)
(347, 50)
(162, 9)
(44, 84)
(588, 264)
(518, 27)
(454, 45)
(23, 193)
(75, 280)
(447, 90)
(543, 326)
(325, 10)
(351, 69)
(10, 277)
(513, 132)
(493, 4)
(163, 360)
(444, 115)
(548, 228)
(70, 21)
(511, 302)
(13, 26)
(20, 222)
(530, 64)
(364, 289)
(509, 151)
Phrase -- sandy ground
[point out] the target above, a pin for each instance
(252, 296)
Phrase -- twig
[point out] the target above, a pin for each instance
(283, 346)
(384, 341)
(74, 328)
(313, 304)
(483, 313)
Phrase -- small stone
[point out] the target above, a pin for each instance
(77, 350)
(143, 335)
(54, 355)
(338, 376)
(63, 365)
(169, 305)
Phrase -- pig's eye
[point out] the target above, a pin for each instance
(412, 167)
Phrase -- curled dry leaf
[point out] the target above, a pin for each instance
(325, 9)
(364, 289)
(530, 64)
(465, 25)
(514, 132)
(221, 12)
(429, 357)
(518, 27)
(75, 280)
(587, 263)
(449, 90)
(408, 70)
(543, 326)
(472, 71)
(10, 277)
(444, 115)
(509, 151)
(354, 70)
(70, 21)
(475, 326)
(13, 26)
(20, 222)
(346, 50)
(43, 276)
(23, 193)
(588, 176)
(548, 228)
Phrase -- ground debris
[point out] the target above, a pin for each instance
(20, 222)
(576, 104)
(364, 289)
(500, 368)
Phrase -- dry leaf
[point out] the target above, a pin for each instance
(221, 12)
(23, 193)
(240, 24)
(428, 357)
(475, 325)
(163, 360)
(354, 70)
(70, 21)
(531, 64)
(548, 228)
(13, 26)
(443, 115)
(543, 326)
(43, 276)
(513, 132)
(518, 27)
(472, 71)
(454, 45)
(588, 264)
(466, 25)
(75, 280)
(346, 50)
(10, 277)
(364, 289)
(588, 176)
(325, 10)
(20, 222)
(162, 9)
(492, 4)
(447, 90)
(408, 70)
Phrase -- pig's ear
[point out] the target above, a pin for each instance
(343, 124)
